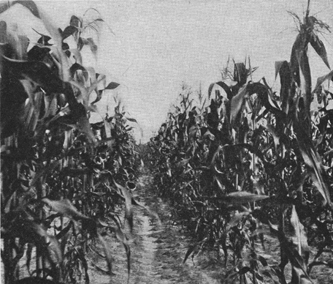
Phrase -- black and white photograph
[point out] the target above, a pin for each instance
(166, 141)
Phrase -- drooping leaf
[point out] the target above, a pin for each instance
(4, 6)
(223, 85)
(44, 39)
(131, 119)
(111, 86)
(69, 30)
(76, 67)
(30, 5)
(322, 79)
(99, 20)
(32, 232)
(64, 207)
(98, 97)
(319, 47)
(262, 260)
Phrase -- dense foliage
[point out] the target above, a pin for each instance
(247, 162)
(62, 178)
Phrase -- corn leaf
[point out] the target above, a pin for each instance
(69, 30)
(75, 67)
(37, 72)
(131, 119)
(29, 4)
(300, 238)
(122, 238)
(312, 160)
(322, 79)
(241, 197)
(90, 42)
(58, 40)
(84, 126)
(237, 103)
(305, 76)
(64, 207)
(111, 86)
(55, 253)
(294, 64)
(98, 97)
(75, 21)
(223, 85)
(294, 257)
(190, 251)
(127, 195)
(32, 232)
(319, 47)
(4, 6)
(282, 68)
(107, 253)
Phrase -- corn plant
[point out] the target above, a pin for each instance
(251, 159)
(62, 178)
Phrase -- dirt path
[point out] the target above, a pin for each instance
(158, 249)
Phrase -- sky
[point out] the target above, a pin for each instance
(151, 47)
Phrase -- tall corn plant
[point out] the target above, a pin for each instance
(59, 181)
(254, 159)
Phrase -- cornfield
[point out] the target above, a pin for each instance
(247, 163)
(63, 178)
(241, 165)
